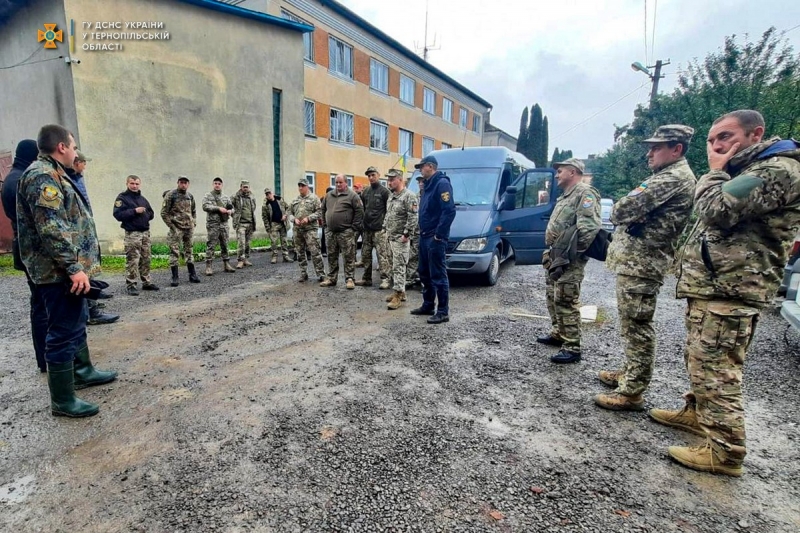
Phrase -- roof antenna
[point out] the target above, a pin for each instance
(464, 140)
(425, 47)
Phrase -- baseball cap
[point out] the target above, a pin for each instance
(573, 162)
(425, 160)
(267, 190)
(81, 156)
(303, 182)
(394, 173)
(671, 133)
(371, 170)
(183, 178)
(243, 183)
(217, 179)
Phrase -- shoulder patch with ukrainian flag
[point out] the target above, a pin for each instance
(118, 203)
(49, 197)
(638, 190)
(588, 201)
(446, 196)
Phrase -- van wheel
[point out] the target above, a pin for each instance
(493, 272)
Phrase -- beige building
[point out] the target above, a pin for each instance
(206, 89)
(494, 136)
(368, 99)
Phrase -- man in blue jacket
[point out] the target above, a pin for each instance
(436, 213)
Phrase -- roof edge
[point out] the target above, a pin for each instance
(249, 14)
(364, 25)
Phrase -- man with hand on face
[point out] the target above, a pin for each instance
(343, 215)
(218, 207)
(133, 210)
(575, 219)
(649, 221)
(748, 212)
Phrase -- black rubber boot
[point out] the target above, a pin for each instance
(175, 280)
(63, 401)
(192, 273)
(86, 375)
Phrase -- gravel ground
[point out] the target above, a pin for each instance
(251, 402)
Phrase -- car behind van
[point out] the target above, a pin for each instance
(503, 203)
(606, 206)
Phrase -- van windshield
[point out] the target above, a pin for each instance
(471, 186)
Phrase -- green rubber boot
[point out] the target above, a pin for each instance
(63, 402)
(86, 375)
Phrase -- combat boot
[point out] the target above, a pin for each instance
(615, 401)
(396, 301)
(192, 273)
(349, 284)
(685, 419)
(240, 264)
(303, 277)
(385, 284)
(63, 402)
(209, 270)
(610, 377)
(366, 283)
(96, 317)
(247, 262)
(228, 267)
(706, 459)
(550, 340)
(274, 259)
(287, 258)
(402, 297)
(86, 375)
(327, 283)
(175, 281)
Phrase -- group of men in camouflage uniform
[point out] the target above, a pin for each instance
(747, 210)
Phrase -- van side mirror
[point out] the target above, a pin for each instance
(509, 199)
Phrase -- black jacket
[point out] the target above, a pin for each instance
(125, 211)
(375, 199)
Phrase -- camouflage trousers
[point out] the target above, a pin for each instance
(217, 234)
(636, 304)
(413, 258)
(137, 257)
(278, 241)
(563, 304)
(400, 252)
(376, 240)
(305, 240)
(244, 234)
(341, 243)
(176, 237)
(720, 333)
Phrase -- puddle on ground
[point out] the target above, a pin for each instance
(17, 491)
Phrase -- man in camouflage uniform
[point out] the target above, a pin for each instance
(649, 221)
(748, 212)
(133, 210)
(399, 225)
(576, 213)
(304, 212)
(59, 248)
(218, 207)
(244, 222)
(412, 269)
(179, 213)
(343, 216)
(275, 215)
(375, 198)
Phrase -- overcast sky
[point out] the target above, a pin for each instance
(571, 56)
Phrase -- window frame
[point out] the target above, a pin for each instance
(312, 133)
(446, 102)
(431, 143)
(476, 123)
(352, 132)
(410, 150)
(446, 146)
(413, 89)
(385, 128)
(463, 117)
(426, 92)
(308, 37)
(374, 62)
(311, 178)
(332, 64)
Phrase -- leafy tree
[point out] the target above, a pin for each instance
(762, 75)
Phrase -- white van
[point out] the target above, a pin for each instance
(606, 205)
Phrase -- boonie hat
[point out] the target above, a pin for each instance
(573, 162)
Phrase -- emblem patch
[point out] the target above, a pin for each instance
(445, 196)
(49, 193)
(414, 207)
(638, 190)
(588, 202)
(118, 203)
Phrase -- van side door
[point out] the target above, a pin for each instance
(524, 226)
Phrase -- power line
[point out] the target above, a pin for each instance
(646, 59)
(38, 49)
(784, 32)
(609, 106)
(653, 43)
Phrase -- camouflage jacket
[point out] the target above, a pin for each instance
(266, 212)
(302, 207)
(579, 206)
(240, 203)
(212, 201)
(57, 235)
(178, 210)
(747, 215)
(401, 214)
(649, 220)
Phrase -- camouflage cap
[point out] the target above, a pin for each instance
(217, 179)
(267, 190)
(671, 133)
(244, 183)
(303, 182)
(183, 178)
(370, 170)
(81, 156)
(394, 173)
(572, 162)
(420, 177)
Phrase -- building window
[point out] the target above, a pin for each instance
(429, 101)
(378, 76)
(476, 123)
(341, 126)
(384, 183)
(447, 109)
(406, 143)
(445, 146)
(310, 118)
(308, 42)
(462, 118)
(378, 136)
(310, 179)
(406, 89)
(340, 58)
(427, 146)
(349, 180)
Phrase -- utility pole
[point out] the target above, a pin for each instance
(655, 77)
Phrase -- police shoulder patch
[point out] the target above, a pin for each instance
(588, 201)
(638, 190)
(446, 196)
(118, 203)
